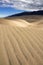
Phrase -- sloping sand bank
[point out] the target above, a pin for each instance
(20, 43)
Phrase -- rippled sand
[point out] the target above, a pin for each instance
(21, 43)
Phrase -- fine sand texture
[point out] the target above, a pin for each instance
(21, 42)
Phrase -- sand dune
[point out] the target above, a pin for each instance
(21, 42)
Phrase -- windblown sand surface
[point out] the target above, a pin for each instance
(21, 43)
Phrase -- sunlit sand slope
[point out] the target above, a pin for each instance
(20, 43)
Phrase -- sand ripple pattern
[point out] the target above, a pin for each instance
(21, 46)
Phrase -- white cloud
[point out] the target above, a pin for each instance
(23, 4)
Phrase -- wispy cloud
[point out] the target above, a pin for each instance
(23, 4)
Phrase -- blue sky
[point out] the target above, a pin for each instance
(6, 11)
(9, 7)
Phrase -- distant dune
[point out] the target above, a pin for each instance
(30, 17)
(21, 40)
